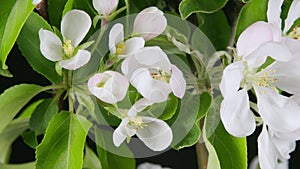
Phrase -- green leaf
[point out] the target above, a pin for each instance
(55, 11)
(68, 7)
(256, 10)
(13, 99)
(29, 44)
(63, 144)
(43, 113)
(29, 109)
(29, 165)
(188, 7)
(216, 28)
(13, 16)
(91, 160)
(8, 136)
(5, 72)
(29, 137)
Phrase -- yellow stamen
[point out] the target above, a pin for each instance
(68, 49)
(295, 33)
(120, 48)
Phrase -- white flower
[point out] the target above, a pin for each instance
(109, 86)
(155, 133)
(120, 48)
(150, 166)
(35, 2)
(74, 26)
(105, 7)
(149, 23)
(152, 74)
(240, 76)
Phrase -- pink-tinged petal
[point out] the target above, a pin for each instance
(105, 7)
(35, 2)
(254, 36)
(75, 25)
(293, 15)
(116, 35)
(274, 11)
(154, 90)
(113, 84)
(156, 135)
(80, 59)
(138, 106)
(279, 112)
(50, 45)
(177, 82)
(236, 116)
(231, 79)
(122, 132)
(132, 45)
(275, 50)
(266, 150)
(150, 23)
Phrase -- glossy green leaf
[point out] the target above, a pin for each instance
(13, 16)
(188, 7)
(63, 144)
(30, 138)
(138, 5)
(29, 165)
(55, 11)
(91, 161)
(68, 6)
(27, 112)
(8, 136)
(29, 44)
(43, 113)
(13, 99)
(256, 10)
(216, 28)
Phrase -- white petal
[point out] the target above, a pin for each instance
(231, 79)
(80, 59)
(116, 35)
(293, 45)
(119, 91)
(138, 106)
(254, 163)
(157, 135)
(293, 15)
(278, 112)
(236, 116)
(177, 82)
(283, 165)
(274, 11)
(132, 45)
(154, 90)
(284, 147)
(105, 7)
(275, 50)
(254, 36)
(150, 23)
(75, 25)
(35, 2)
(266, 150)
(150, 166)
(50, 45)
(120, 133)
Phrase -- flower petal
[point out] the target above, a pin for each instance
(254, 36)
(150, 166)
(266, 150)
(279, 112)
(80, 59)
(113, 84)
(120, 134)
(155, 91)
(116, 35)
(284, 147)
(75, 25)
(236, 116)
(150, 23)
(293, 15)
(105, 7)
(177, 82)
(274, 11)
(35, 2)
(132, 45)
(157, 135)
(231, 79)
(50, 45)
(138, 106)
(275, 50)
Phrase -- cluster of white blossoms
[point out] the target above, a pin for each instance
(266, 62)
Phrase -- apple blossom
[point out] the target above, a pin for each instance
(105, 7)
(155, 133)
(35, 2)
(109, 86)
(74, 26)
(152, 74)
(150, 166)
(149, 23)
(120, 48)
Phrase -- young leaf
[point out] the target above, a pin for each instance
(91, 160)
(29, 44)
(13, 99)
(29, 137)
(63, 144)
(188, 7)
(13, 16)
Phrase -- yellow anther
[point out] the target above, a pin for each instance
(68, 49)
(137, 122)
(120, 48)
(159, 74)
(295, 33)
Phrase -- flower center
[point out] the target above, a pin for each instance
(159, 74)
(103, 81)
(262, 79)
(68, 49)
(137, 122)
(295, 33)
(120, 48)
